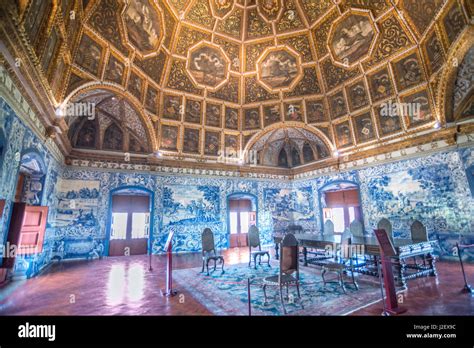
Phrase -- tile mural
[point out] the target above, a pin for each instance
(434, 189)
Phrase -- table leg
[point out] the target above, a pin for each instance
(305, 256)
(432, 263)
(277, 256)
(400, 268)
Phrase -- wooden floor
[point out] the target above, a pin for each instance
(124, 285)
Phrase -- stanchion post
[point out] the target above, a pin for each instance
(248, 296)
(467, 288)
(169, 291)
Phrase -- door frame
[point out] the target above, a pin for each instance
(116, 191)
(253, 198)
(323, 188)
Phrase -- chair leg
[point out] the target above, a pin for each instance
(215, 264)
(255, 261)
(202, 271)
(268, 260)
(207, 266)
(250, 259)
(322, 275)
(222, 259)
(287, 293)
(298, 288)
(264, 294)
(259, 260)
(342, 282)
(353, 280)
(281, 299)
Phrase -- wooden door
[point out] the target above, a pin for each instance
(2, 207)
(241, 208)
(26, 232)
(131, 207)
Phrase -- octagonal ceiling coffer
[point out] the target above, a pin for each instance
(208, 66)
(352, 38)
(144, 30)
(279, 69)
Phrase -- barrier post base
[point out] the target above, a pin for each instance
(467, 289)
(169, 293)
(394, 311)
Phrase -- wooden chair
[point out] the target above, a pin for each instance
(418, 232)
(357, 229)
(288, 273)
(384, 224)
(209, 251)
(340, 264)
(418, 235)
(254, 242)
(294, 229)
(328, 229)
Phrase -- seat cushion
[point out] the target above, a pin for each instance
(273, 280)
(213, 258)
(334, 266)
(258, 252)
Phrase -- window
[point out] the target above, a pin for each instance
(338, 219)
(140, 225)
(244, 222)
(233, 223)
(119, 226)
(351, 214)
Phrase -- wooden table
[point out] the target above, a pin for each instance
(360, 246)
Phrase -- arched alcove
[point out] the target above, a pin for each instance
(289, 147)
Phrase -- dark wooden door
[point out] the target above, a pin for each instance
(239, 207)
(2, 207)
(131, 206)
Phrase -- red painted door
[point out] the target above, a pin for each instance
(26, 232)
(32, 230)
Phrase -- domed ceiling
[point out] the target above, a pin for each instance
(206, 75)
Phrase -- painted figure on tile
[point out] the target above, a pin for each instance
(193, 111)
(271, 114)
(252, 119)
(172, 108)
(169, 137)
(315, 111)
(213, 115)
(231, 118)
(191, 140)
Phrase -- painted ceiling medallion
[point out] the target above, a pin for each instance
(143, 22)
(279, 68)
(208, 66)
(270, 10)
(221, 8)
(352, 38)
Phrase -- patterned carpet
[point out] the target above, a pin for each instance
(226, 294)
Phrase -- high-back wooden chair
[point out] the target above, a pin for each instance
(356, 228)
(209, 251)
(295, 229)
(384, 224)
(253, 237)
(418, 232)
(341, 263)
(328, 229)
(288, 272)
